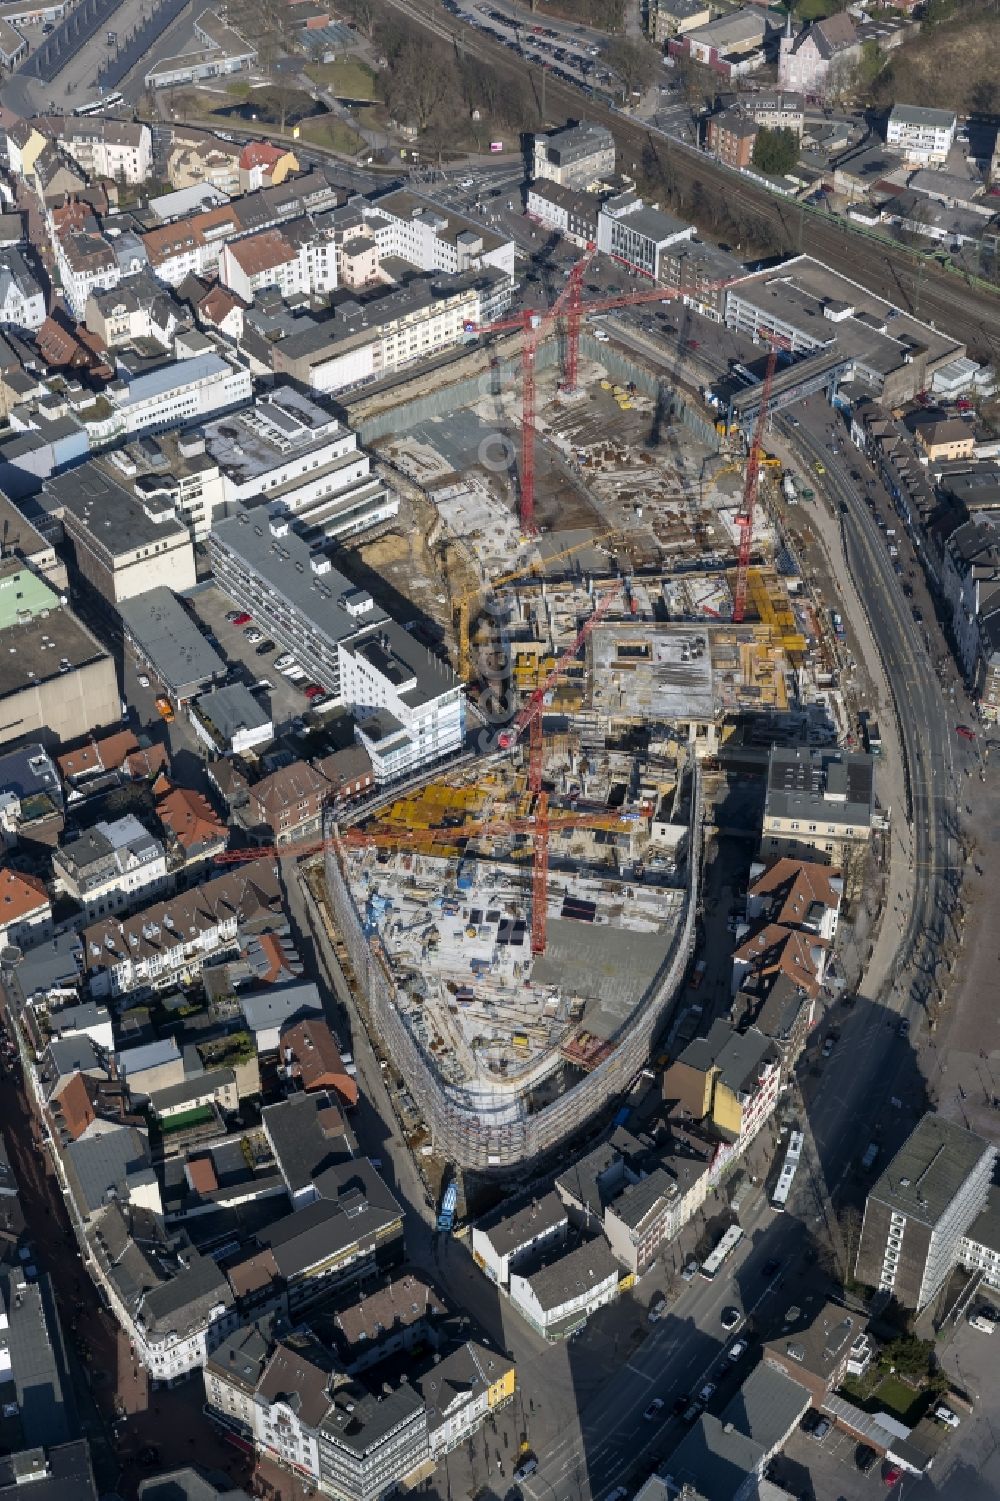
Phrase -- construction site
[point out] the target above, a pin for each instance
(610, 575)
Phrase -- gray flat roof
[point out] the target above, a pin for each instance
(119, 521)
(233, 708)
(509, 1234)
(985, 1228)
(930, 1168)
(169, 638)
(416, 673)
(917, 114)
(284, 422)
(38, 1364)
(767, 1406)
(27, 658)
(837, 786)
(62, 1473)
(285, 563)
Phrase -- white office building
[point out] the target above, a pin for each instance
(179, 394)
(408, 706)
(922, 136)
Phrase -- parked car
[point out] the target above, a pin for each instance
(689, 1271)
(165, 709)
(892, 1476)
(243, 618)
(313, 690)
(904, 1028)
(946, 1416)
(865, 1457)
(253, 635)
(655, 1407)
(820, 1431)
(738, 1349)
(285, 660)
(231, 615)
(265, 647)
(828, 1046)
(657, 1308)
(731, 1318)
(143, 680)
(707, 1392)
(525, 1468)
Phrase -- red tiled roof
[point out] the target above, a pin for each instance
(76, 1108)
(20, 894)
(100, 755)
(189, 816)
(317, 1059)
(201, 1175)
(260, 154)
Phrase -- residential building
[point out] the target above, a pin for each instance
(292, 1397)
(703, 271)
(198, 159)
(920, 1209)
(818, 801)
(108, 754)
(22, 300)
(134, 309)
(31, 795)
(307, 1134)
(970, 581)
(820, 1348)
(289, 802)
(416, 229)
(106, 147)
(558, 1298)
(815, 61)
(403, 1313)
(25, 909)
(196, 833)
(356, 343)
(504, 1242)
(589, 1185)
(36, 1362)
(648, 1214)
(368, 1445)
(724, 1458)
(778, 111)
(731, 137)
(264, 165)
(177, 1323)
(87, 263)
(268, 1011)
(13, 46)
(56, 681)
(122, 545)
(922, 136)
(945, 439)
(62, 1473)
(292, 454)
(298, 260)
(572, 212)
(796, 894)
(461, 1389)
(637, 236)
(112, 866)
(150, 1067)
(352, 1234)
(349, 773)
(308, 1053)
(232, 1372)
(156, 945)
(408, 706)
(729, 1078)
(670, 18)
(575, 156)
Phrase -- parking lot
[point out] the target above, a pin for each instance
(827, 1470)
(287, 701)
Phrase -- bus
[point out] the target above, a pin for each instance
(110, 101)
(726, 1246)
(788, 1170)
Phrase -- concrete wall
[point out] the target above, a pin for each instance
(64, 708)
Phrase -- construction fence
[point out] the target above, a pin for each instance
(462, 1131)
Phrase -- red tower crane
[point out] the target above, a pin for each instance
(530, 718)
(745, 518)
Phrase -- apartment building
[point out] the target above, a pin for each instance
(670, 18)
(731, 137)
(112, 866)
(970, 580)
(290, 452)
(558, 1298)
(921, 1208)
(368, 1444)
(138, 308)
(415, 229)
(289, 803)
(87, 263)
(408, 706)
(103, 147)
(730, 46)
(503, 1242)
(162, 942)
(648, 1214)
(571, 212)
(232, 1372)
(638, 236)
(820, 1350)
(575, 156)
(730, 1079)
(779, 111)
(980, 1249)
(944, 439)
(22, 300)
(922, 136)
(298, 260)
(818, 802)
(123, 545)
(25, 909)
(699, 273)
(357, 343)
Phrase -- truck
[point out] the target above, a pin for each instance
(788, 489)
(837, 622)
(446, 1214)
(873, 737)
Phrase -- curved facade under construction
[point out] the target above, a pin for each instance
(507, 1052)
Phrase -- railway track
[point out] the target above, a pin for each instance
(914, 283)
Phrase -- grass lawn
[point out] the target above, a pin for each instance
(326, 130)
(897, 1397)
(348, 78)
(815, 10)
(194, 1117)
